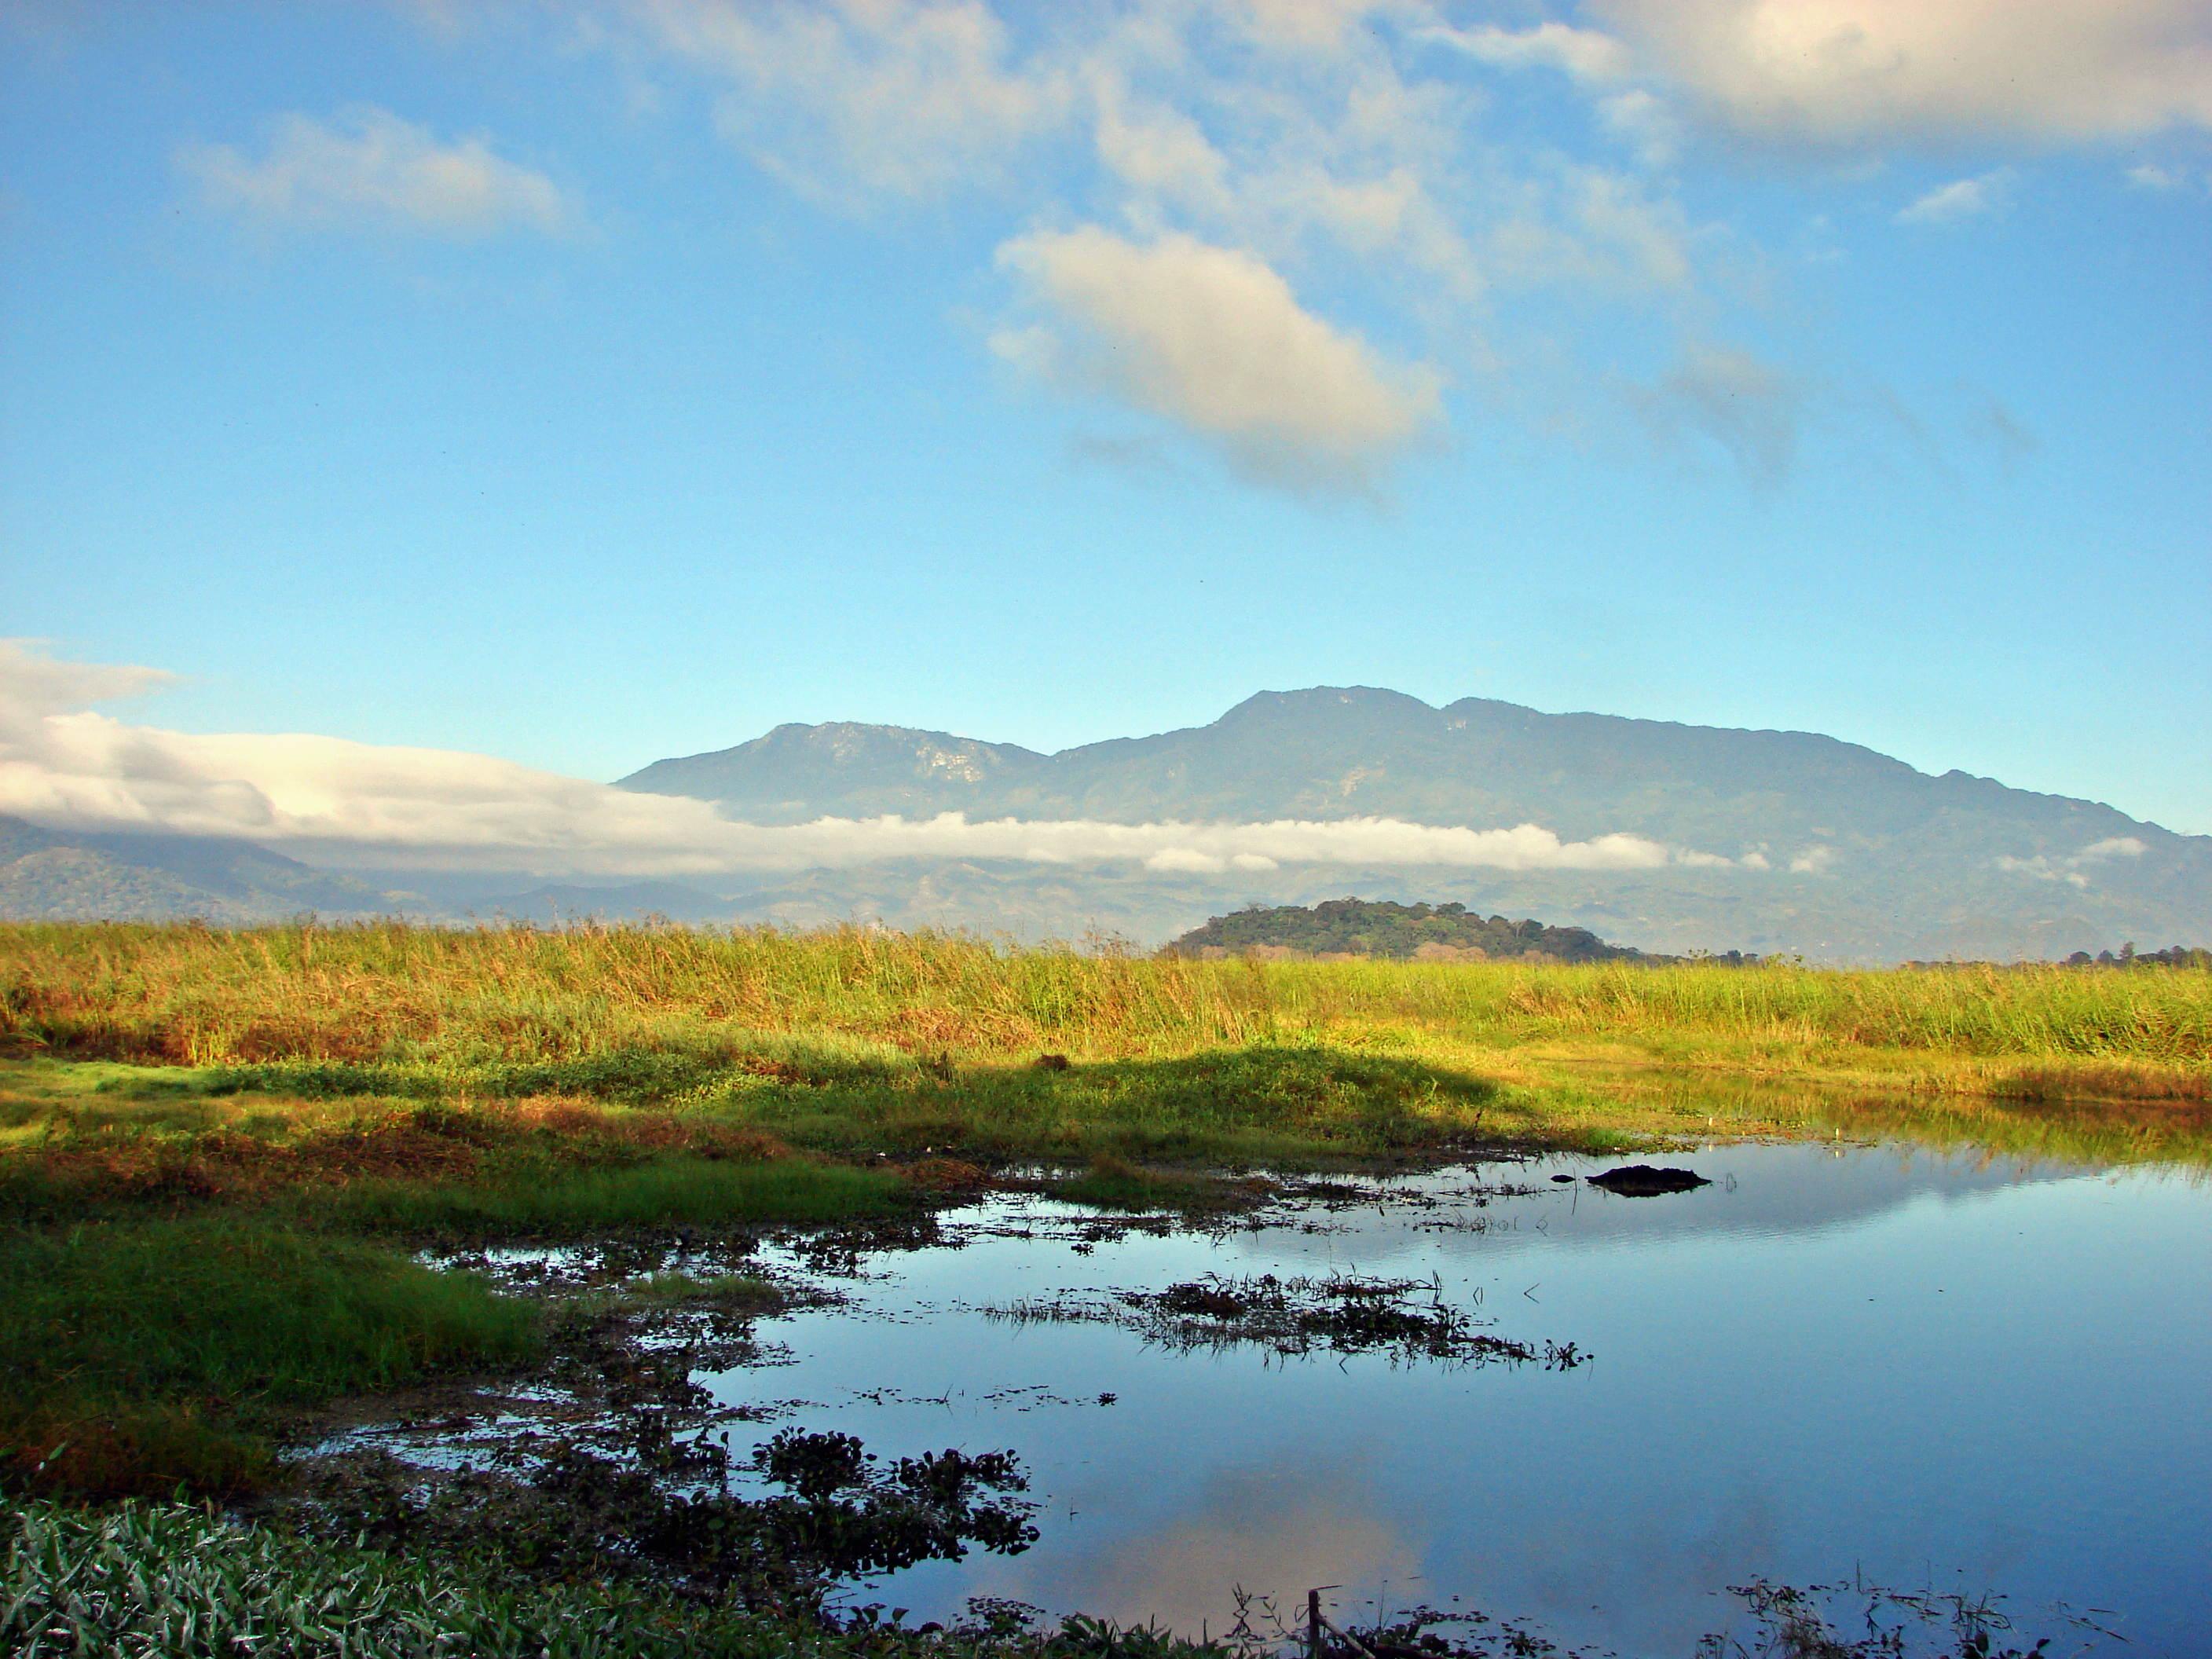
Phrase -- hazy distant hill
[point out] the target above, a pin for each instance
(1889, 861)
(62, 876)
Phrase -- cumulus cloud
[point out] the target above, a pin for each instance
(1856, 72)
(1213, 339)
(370, 170)
(2075, 870)
(1732, 399)
(63, 764)
(1962, 198)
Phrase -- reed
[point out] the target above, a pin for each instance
(192, 995)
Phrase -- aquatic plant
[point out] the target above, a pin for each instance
(1343, 1313)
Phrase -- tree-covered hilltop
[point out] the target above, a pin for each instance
(1365, 928)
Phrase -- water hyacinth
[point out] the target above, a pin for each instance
(146, 1579)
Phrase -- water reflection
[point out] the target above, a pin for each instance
(1973, 1371)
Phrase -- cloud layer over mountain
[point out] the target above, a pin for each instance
(63, 764)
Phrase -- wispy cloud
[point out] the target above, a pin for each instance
(62, 765)
(1311, 154)
(1733, 398)
(369, 170)
(1584, 54)
(1962, 198)
(2076, 869)
(855, 100)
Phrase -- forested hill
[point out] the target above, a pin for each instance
(1360, 927)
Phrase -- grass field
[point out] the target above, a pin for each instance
(218, 1148)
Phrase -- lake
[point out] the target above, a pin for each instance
(1936, 1370)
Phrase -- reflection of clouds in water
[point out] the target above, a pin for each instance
(1573, 1562)
(1276, 1530)
(1847, 1356)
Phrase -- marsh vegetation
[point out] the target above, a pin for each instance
(247, 1175)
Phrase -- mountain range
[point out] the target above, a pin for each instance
(1783, 840)
(1865, 856)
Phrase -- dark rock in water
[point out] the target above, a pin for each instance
(1563, 1180)
(1648, 1180)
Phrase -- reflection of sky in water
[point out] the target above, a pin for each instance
(1833, 1358)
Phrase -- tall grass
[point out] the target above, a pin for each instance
(201, 996)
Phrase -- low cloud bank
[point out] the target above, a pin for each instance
(2073, 871)
(64, 765)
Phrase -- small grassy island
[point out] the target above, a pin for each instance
(1420, 932)
(251, 1177)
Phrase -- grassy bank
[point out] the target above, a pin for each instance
(217, 1148)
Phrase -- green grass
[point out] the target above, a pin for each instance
(144, 1352)
(677, 1192)
(170, 1578)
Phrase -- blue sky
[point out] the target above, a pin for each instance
(582, 385)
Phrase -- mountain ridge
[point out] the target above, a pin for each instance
(1838, 849)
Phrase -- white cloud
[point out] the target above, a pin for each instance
(1962, 198)
(2074, 870)
(61, 764)
(1309, 149)
(853, 99)
(2113, 847)
(1584, 54)
(1854, 71)
(1813, 862)
(1214, 340)
(370, 170)
(33, 685)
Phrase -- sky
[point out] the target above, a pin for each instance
(578, 385)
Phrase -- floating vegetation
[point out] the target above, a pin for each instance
(1648, 1180)
(1818, 1622)
(1344, 1314)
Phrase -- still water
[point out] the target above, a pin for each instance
(1953, 1372)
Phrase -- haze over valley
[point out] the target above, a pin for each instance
(1667, 837)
